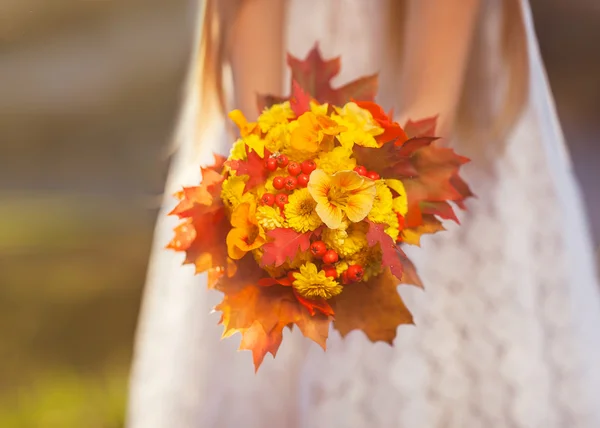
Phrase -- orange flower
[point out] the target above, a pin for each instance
(344, 192)
(246, 234)
(312, 130)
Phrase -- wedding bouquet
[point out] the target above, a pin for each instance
(303, 223)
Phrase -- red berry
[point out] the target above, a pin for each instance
(278, 182)
(281, 199)
(361, 170)
(290, 275)
(282, 161)
(290, 183)
(308, 166)
(271, 164)
(330, 257)
(373, 175)
(318, 249)
(330, 271)
(355, 273)
(294, 169)
(303, 180)
(268, 199)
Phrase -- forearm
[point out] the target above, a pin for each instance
(437, 44)
(257, 48)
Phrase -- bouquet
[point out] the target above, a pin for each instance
(303, 224)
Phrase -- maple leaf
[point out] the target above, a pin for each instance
(253, 167)
(259, 313)
(204, 197)
(392, 131)
(375, 307)
(390, 253)
(285, 244)
(409, 274)
(314, 74)
(440, 208)
(299, 100)
(421, 128)
(430, 225)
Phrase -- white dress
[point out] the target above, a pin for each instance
(507, 331)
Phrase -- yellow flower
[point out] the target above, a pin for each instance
(232, 191)
(382, 205)
(238, 150)
(313, 284)
(269, 218)
(400, 203)
(277, 138)
(311, 132)
(277, 114)
(339, 159)
(344, 192)
(246, 128)
(300, 212)
(246, 234)
(361, 127)
(318, 109)
(347, 242)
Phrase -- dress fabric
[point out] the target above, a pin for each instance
(507, 330)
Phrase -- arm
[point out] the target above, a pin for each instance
(437, 43)
(257, 48)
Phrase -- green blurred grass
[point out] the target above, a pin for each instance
(71, 272)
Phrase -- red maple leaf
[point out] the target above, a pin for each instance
(390, 251)
(285, 244)
(300, 100)
(392, 131)
(253, 167)
(314, 74)
(421, 128)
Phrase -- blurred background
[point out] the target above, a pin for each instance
(88, 96)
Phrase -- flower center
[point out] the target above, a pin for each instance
(252, 235)
(337, 196)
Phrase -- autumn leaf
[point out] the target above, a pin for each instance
(409, 274)
(285, 244)
(300, 100)
(314, 74)
(389, 249)
(413, 235)
(440, 208)
(253, 167)
(260, 313)
(421, 128)
(204, 197)
(375, 307)
(392, 131)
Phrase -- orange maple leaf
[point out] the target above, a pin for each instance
(260, 313)
(392, 131)
(429, 224)
(375, 307)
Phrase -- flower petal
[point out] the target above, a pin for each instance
(331, 215)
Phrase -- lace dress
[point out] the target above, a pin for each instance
(507, 331)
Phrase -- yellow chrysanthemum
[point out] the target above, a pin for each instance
(371, 261)
(269, 218)
(361, 127)
(382, 204)
(238, 150)
(400, 203)
(339, 159)
(277, 139)
(318, 109)
(347, 242)
(275, 115)
(314, 284)
(300, 212)
(232, 191)
(344, 193)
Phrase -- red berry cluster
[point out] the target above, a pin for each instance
(299, 174)
(369, 174)
(319, 250)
